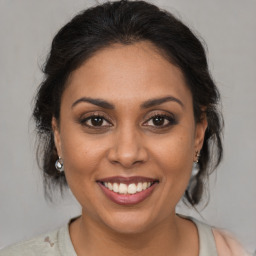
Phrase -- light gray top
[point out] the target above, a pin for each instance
(58, 243)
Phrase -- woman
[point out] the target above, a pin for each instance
(127, 108)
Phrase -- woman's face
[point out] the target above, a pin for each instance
(127, 118)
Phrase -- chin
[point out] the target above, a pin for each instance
(129, 223)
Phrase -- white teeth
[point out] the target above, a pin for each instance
(132, 189)
(144, 185)
(139, 187)
(127, 189)
(115, 187)
(109, 186)
(122, 188)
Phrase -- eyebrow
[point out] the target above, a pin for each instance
(158, 101)
(98, 102)
(147, 104)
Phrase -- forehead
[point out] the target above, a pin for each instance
(127, 72)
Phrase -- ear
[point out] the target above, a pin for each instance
(56, 133)
(201, 127)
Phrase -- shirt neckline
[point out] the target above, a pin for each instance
(207, 244)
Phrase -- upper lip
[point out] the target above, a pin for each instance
(127, 180)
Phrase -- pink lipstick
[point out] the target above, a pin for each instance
(127, 190)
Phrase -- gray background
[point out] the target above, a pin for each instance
(27, 27)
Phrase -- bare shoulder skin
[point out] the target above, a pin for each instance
(227, 245)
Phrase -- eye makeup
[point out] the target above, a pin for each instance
(99, 120)
(161, 120)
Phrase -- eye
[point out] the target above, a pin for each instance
(95, 121)
(161, 121)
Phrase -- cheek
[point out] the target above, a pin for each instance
(82, 158)
(175, 158)
(175, 151)
(81, 154)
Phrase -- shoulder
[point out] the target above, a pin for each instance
(45, 244)
(217, 240)
(227, 245)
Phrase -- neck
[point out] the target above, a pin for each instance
(93, 238)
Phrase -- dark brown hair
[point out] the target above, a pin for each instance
(127, 22)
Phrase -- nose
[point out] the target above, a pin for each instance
(127, 148)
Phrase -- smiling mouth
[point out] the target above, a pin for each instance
(125, 189)
(127, 186)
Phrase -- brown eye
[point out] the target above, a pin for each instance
(161, 121)
(95, 121)
(158, 120)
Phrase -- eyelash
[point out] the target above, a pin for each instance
(170, 118)
(84, 120)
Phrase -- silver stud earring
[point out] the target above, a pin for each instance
(59, 165)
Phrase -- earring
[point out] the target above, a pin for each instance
(197, 156)
(59, 165)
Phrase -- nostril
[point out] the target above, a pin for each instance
(127, 150)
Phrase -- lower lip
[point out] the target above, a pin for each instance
(127, 199)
